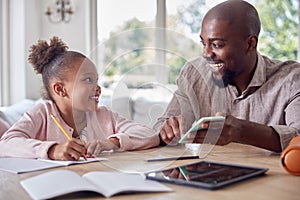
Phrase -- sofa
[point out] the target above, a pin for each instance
(143, 105)
(141, 110)
(10, 114)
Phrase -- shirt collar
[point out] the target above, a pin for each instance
(260, 76)
(258, 79)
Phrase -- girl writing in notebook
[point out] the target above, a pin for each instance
(69, 124)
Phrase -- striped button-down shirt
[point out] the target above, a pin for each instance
(272, 98)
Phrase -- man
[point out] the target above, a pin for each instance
(260, 97)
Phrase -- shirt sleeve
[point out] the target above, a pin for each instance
(285, 134)
(27, 137)
(19, 146)
(173, 109)
(180, 103)
(133, 136)
(292, 117)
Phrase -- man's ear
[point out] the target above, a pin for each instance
(59, 89)
(252, 42)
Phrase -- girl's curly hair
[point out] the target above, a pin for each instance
(52, 60)
(43, 53)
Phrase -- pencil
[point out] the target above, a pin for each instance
(63, 130)
(173, 158)
(60, 127)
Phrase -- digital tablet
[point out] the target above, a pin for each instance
(197, 125)
(207, 175)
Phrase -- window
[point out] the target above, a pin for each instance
(143, 47)
(148, 41)
(126, 38)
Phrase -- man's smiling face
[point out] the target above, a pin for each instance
(225, 49)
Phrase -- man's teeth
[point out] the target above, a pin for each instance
(217, 65)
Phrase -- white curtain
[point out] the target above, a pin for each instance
(4, 53)
(92, 38)
(12, 56)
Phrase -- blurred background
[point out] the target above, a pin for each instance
(139, 46)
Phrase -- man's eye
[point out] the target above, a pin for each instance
(202, 42)
(217, 46)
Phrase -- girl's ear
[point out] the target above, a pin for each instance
(59, 89)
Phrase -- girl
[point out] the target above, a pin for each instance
(71, 96)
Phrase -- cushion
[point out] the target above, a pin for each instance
(120, 105)
(147, 111)
(12, 114)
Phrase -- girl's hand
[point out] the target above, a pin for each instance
(96, 147)
(71, 150)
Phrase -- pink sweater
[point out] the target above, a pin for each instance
(3, 126)
(36, 132)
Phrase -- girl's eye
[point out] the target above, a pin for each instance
(88, 80)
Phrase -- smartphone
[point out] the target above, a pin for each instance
(198, 125)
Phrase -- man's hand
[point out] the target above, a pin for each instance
(226, 132)
(170, 131)
(240, 131)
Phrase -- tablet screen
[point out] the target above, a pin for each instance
(204, 174)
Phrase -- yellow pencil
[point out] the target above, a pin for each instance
(63, 130)
(60, 127)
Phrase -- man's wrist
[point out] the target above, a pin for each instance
(115, 142)
(161, 142)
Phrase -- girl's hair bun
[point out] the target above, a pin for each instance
(43, 53)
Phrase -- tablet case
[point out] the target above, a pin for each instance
(206, 174)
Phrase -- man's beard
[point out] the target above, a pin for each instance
(226, 79)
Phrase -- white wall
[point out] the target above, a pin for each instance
(73, 33)
(28, 25)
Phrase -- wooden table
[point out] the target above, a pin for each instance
(276, 184)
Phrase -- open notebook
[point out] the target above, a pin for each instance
(22, 165)
(61, 182)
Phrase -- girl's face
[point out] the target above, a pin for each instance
(83, 87)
